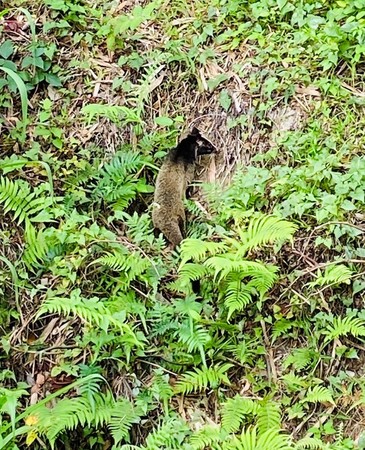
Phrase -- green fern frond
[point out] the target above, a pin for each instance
(161, 388)
(195, 337)
(334, 274)
(36, 246)
(200, 379)
(122, 416)
(264, 230)
(251, 440)
(281, 328)
(294, 382)
(237, 296)
(268, 416)
(234, 412)
(263, 276)
(130, 265)
(121, 115)
(318, 394)
(16, 196)
(206, 437)
(310, 443)
(67, 414)
(122, 164)
(300, 358)
(191, 271)
(117, 183)
(92, 311)
(342, 326)
(116, 261)
(273, 440)
(197, 250)
(98, 410)
(169, 435)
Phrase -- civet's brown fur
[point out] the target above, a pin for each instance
(176, 173)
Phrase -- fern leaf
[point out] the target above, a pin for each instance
(122, 417)
(294, 382)
(268, 417)
(206, 437)
(129, 265)
(121, 115)
(117, 183)
(116, 261)
(263, 276)
(195, 337)
(169, 435)
(264, 230)
(200, 379)
(273, 440)
(237, 296)
(300, 358)
(92, 311)
(234, 411)
(191, 272)
(36, 247)
(334, 274)
(342, 326)
(15, 196)
(318, 394)
(197, 250)
(67, 414)
(123, 164)
(310, 443)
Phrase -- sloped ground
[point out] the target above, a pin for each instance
(278, 89)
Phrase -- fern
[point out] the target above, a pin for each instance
(206, 437)
(200, 379)
(334, 274)
(36, 246)
(16, 196)
(263, 276)
(120, 115)
(342, 326)
(318, 394)
(294, 382)
(234, 412)
(161, 388)
(130, 265)
(92, 311)
(237, 295)
(169, 435)
(263, 230)
(268, 416)
(281, 327)
(300, 358)
(99, 410)
(310, 443)
(195, 337)
(197, 250)
(67, 414)
(251, 440)
(223, 261)
(122, 416)
(191, 271)
(117, 183)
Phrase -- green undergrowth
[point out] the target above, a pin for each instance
(104, 343)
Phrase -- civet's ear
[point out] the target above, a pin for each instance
(195, 132)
